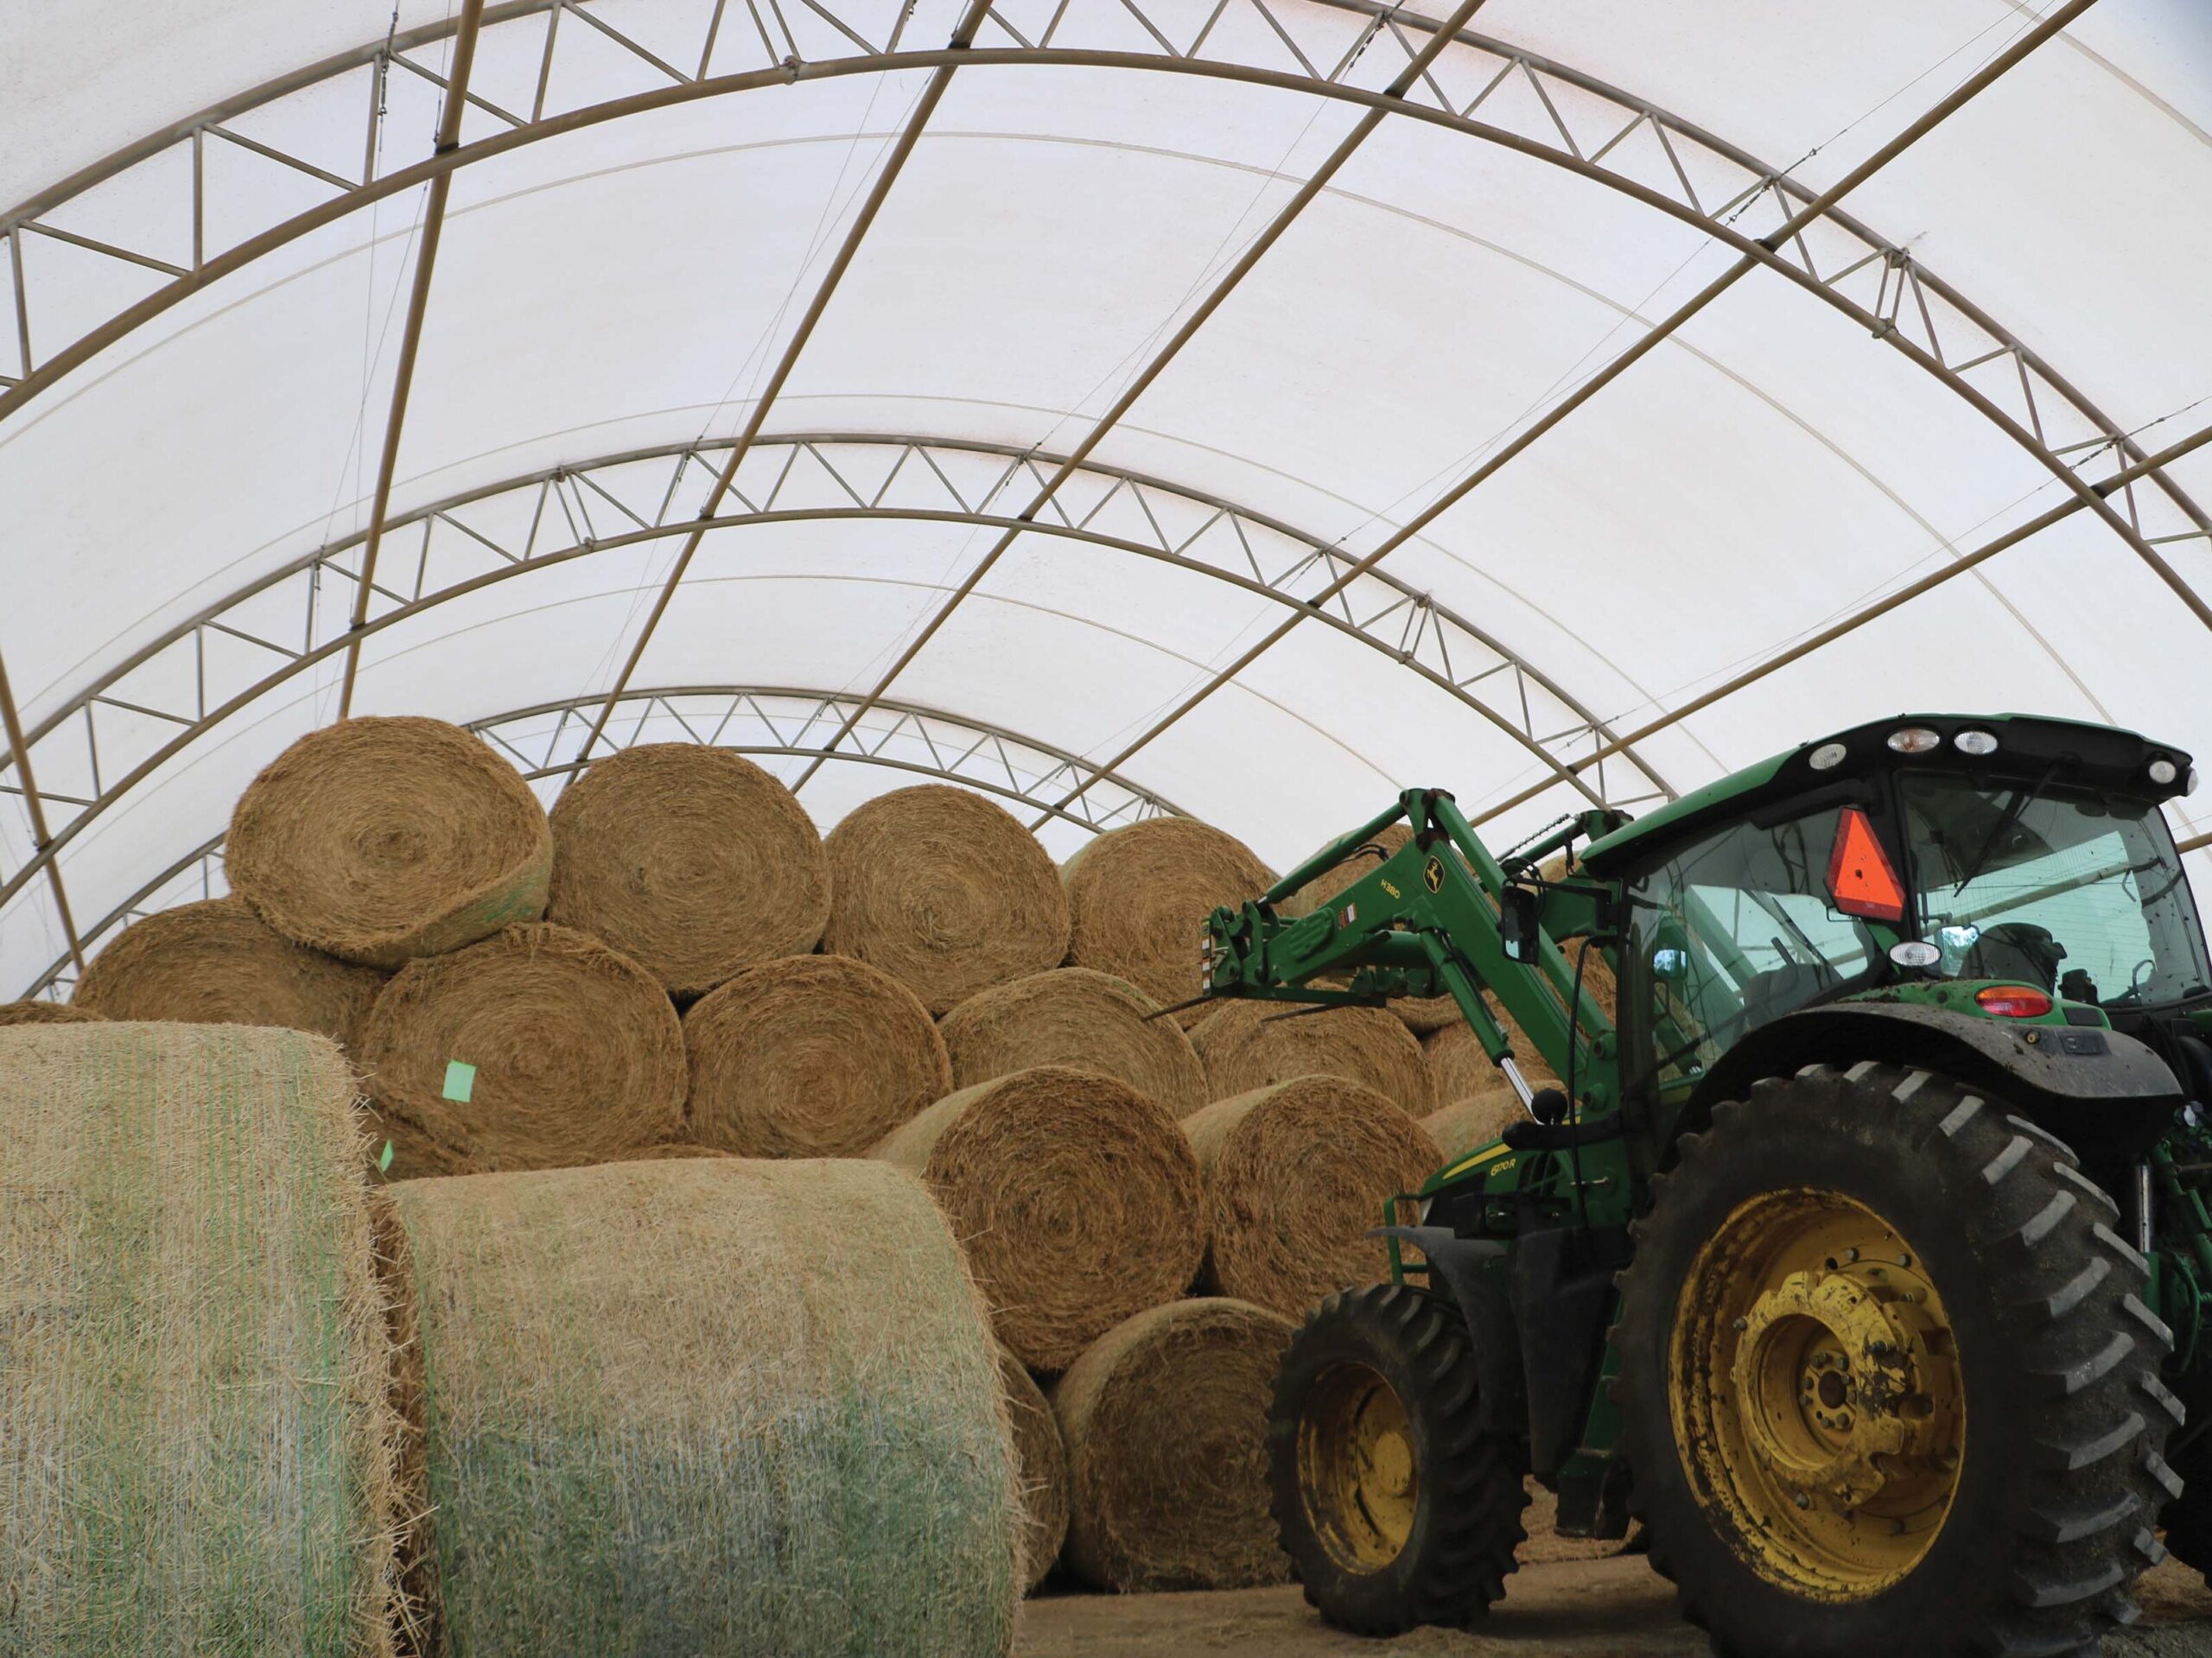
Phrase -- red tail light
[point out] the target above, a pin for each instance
(2013, 1000)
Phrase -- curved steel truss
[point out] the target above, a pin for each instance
(766, 723)
(142, 713)
(1337, 48)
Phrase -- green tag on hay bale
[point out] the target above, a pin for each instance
(383, 1159)
(460, 1081)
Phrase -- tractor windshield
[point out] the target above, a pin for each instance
(2078, 893)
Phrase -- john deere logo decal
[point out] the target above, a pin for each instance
(1432, 874)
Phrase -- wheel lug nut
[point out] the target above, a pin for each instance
(1803, 1501)
(1743, 1323)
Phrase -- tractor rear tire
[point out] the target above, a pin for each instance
(1887, 1382)
(1396, 1503)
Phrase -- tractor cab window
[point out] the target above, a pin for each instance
(1737, 930)
(2078, 894)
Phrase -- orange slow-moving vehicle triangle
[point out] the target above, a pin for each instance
(1860, 878)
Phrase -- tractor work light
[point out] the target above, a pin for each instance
(2164, 771)
(1976, 743)
(1915, 739)
(2013, 1000)
(1826, 757)
(1915, 953)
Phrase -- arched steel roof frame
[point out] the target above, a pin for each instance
(1156, 519)
(1020, 770)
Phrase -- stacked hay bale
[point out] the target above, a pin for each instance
(810, 1056)
(203, 1452)
(660, 1415)
(538, 1048)
(1139, 898)
(945, 891)
(692, 861)
(217, 962)
(1078, 1199)
(1249, 1045)
(1076, 1016)
(45, 1012)
(380, 839)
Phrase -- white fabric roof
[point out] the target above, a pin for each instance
(219, 211)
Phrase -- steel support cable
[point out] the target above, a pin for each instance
(963, 37)
(1269, 235)
(1950, 104)
(411, 338)
(1860, 617)
(41, 839)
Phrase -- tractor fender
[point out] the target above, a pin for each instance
(1468, 1273)
(2106, 1095)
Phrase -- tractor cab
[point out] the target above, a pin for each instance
(2009, 869)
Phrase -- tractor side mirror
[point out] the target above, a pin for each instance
(1519, 929)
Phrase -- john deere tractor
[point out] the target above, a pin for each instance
(1863, 1256)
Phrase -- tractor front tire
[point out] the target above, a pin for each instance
(1887, 1382)
(1397, 1503)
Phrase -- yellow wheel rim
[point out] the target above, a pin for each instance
(1356, 1468)
(1817, 1401)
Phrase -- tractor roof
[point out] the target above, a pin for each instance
(2027, 747)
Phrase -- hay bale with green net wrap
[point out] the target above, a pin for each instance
(1249, 1045)
(691, 861)
(1075, 1016)
(1140, 898)
(1076, 1197)
(217, 962)
(1165, 1418)
(200, 1452)
(381, 839)
(1295, 1176)
(810, 1056)
(669, 1408)
(943, 891)
(539, 1048)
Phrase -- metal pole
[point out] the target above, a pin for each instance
(1860, 617)
(434, 219)
(1944, 108)
(963, 37)
(40, 839)
(1406, 79)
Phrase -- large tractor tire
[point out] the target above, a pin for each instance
(1887, 1380)
(1396, 1503)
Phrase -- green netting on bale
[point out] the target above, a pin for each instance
(197, 1449)
(670, 1409)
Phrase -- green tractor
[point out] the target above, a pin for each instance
(1864, 1256)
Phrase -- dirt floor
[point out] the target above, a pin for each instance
(1610, 1606)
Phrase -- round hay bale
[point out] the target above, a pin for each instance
(1075, 1016)
(812, 1056)
(45, 1012)
(1140, 898)
(1247, 1044)
(1420, 1013)
(381, 839)
(1041, 1465)
(202, 1451)
(1166, 1421)
(1295, 1175)
(667, 1412)
(1463, 1071)
(943, 891)
(1078, 1199)
(1473, 1122)
(217, 963)
(691, 861)
(672, 1148)
(414, 1154)
(538, 1048)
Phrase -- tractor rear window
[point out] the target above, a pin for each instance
(1738, 929)
(2080, 895)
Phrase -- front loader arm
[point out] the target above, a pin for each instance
(1424, 921)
